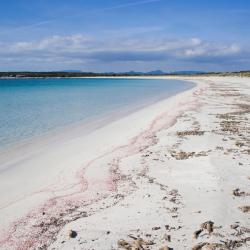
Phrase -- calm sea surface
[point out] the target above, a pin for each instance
(31, 107)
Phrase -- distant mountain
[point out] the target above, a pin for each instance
(133, 73)
(156, 72)
(160, 72)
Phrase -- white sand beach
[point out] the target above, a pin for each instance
(172, 175)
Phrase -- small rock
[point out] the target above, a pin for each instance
(198, 212)
(150, 180)
(124, 244)
(132, 237)
(166, 248)
(197, 233)
(72, 234)
(208, 225)
(234, 226)
(167, 237)
(156, 228)
(245, 209)
(237, 192)
(199, 246)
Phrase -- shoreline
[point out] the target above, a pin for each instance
(26, 159)
(98, 174)
(85, 125)
(81, 128)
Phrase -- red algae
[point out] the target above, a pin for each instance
(39, 228)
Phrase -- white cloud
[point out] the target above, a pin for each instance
(77, 49)
(64, 43)
(212, 49)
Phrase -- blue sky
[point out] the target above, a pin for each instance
(122, 35)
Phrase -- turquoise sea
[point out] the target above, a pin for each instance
(32, 107)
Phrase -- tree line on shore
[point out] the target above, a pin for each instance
(92, 74)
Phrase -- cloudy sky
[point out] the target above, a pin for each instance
(123, 35)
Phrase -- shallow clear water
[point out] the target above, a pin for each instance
(31, 107)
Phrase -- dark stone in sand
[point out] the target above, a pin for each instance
(72, 234)
(166, 248)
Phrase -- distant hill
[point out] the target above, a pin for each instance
(156, 72)
(132, 72)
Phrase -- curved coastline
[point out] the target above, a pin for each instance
(31, 131)
(64, 160)
(81, 128)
